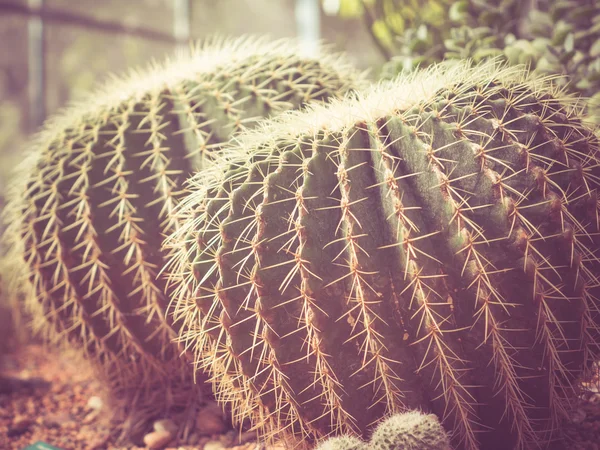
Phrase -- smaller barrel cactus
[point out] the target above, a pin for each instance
(410, 431)
(92, 202)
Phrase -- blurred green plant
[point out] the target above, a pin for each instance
(552, 37)
(389, 21)
(420, 28)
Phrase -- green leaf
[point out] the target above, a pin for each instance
(383, 34)
(595, 49)
(351, 9)
(458, 11)
(569, 44)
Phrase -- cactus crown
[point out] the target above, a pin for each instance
(431, 244)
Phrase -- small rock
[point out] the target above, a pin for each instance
(210, 419)
(56, 420)
(95, 403)
(227, 438)
(193, 439)
(90, 417)
(157, 439)
(166, 425)
(20, 425)
(594, 398)
(245, 437)
(99, 443)
(277, 446)
(213, 445)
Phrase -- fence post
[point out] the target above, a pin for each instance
(182, 17)
(308, 25)
(36, 63)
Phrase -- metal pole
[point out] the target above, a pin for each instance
(36, 66)
(54, 16)
(308, 25)
(182, 17)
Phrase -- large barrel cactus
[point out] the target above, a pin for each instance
(92, 203)
(430, 245)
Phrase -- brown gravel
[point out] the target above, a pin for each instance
(46, 397)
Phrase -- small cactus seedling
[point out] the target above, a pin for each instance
(430, 245)
(342, 443)
(411, 430)
(91, 204)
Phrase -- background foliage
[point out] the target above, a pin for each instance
(558, 37)
(553, 37)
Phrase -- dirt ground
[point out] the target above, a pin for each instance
(48, 399)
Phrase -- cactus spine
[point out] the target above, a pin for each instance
(93, 201)
(431, 245)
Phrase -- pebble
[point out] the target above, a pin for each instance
(55, 420)
(246, 436)
(20, 425)
(213, 445)
(193, 439)
(157, 439)
(95, 403)
(166, 425)
(210, 419)
(227, 438)
(90, 417)
(99, 443)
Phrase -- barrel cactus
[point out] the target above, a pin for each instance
(429, 245)
(91, 204)
(410, 431)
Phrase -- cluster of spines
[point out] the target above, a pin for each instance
(96, 196)
(396, 252)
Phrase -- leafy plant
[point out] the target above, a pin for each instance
(554, 38)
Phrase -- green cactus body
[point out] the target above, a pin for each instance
(410, 431)
(92, 203)
(342, 443)
(431, 245)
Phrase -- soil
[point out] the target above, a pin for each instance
(48, 398)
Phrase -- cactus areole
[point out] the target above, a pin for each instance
(430, 245)
(92, 203)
